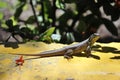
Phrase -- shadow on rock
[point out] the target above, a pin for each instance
(11, 44)
(106, 49)
(115, 57)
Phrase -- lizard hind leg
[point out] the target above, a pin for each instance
(68, 54)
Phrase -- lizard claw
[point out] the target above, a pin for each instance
(68, 57)
(68, 54)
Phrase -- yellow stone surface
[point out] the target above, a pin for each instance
(58, 68)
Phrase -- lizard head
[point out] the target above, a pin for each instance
(93, 38)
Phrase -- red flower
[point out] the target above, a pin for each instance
(20, 61)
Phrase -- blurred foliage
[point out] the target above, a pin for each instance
(47, 35)
(67, 20)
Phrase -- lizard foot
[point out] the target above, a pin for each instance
(88, 55)
(68, 56)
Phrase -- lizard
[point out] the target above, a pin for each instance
(68, 51)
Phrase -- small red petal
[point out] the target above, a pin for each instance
(20, 61)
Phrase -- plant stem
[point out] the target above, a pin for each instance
(43, 11)
(54, 11)
(31, 3)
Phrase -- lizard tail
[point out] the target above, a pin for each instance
(33, 58)
(27, 54)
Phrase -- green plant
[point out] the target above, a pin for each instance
(70, 24)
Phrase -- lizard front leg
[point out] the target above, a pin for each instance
(88, 51)
(68, 54)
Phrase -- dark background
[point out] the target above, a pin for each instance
(65, 20)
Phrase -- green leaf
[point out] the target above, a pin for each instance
(60, 4)
(3, 4)
(1, 15)
(14, 21)
(46, 36)
(19, 10)
(110, 26)
(49, 31)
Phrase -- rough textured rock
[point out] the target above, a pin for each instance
(58, 68)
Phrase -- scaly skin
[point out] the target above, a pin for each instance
(84, 46)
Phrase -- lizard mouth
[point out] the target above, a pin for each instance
(96, 36)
